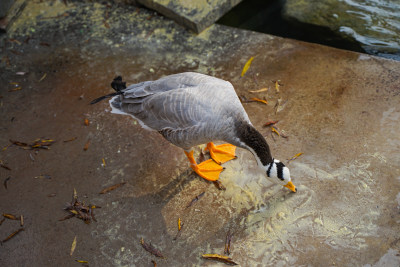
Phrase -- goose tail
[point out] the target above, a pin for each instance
(117, 84)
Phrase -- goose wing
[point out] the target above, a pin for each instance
(185, 108)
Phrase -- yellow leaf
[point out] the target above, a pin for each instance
(81, 261)
(259, 91)
(275, 131)
(179, 224)
(246, 66)
(73, 246)
(277, 85)
(104, 162)
(295, 156)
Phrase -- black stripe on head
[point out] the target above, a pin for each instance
(270, 167)
(279, 169)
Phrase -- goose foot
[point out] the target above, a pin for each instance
(208, 169)
(221, 153)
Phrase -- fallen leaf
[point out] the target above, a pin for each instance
(6, 181)
(228, 240)
(86, 122)
(43, 77)
(69, 140)
(150, 248)
(154, 263)
(9, 216)
(104, 162)
(73, 246)
(259, 91)
(259, 100)
(295, 156)
(219, 185)
(246, 66)
(195, 199)
(15, 89)
(13, 234)
(108, 189)
(221, 258)
(80, 261)
(179, 224)
(21, 219)
(86, 147)
(269, 123)
(43, 176)
(275, 131)
(4, 166)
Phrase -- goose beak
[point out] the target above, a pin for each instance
(291, 186)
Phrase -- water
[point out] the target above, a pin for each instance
(370, 26)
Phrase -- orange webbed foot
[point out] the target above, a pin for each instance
(221, 153)
(208, 169)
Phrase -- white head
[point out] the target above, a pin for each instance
(280, 174)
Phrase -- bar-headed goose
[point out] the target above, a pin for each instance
(189, 109)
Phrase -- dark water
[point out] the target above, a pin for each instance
(377, 34)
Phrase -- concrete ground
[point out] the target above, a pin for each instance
(341, 109)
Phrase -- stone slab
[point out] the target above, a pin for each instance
(341, 109)
(195, 15)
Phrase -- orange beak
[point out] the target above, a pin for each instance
(291, 186)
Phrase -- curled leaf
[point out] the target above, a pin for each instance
(151, 249)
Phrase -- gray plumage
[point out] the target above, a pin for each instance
(188, 109)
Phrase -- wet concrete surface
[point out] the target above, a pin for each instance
(341, 109)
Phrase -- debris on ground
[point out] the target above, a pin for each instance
(10, 216)
(38, 143)
(80, 210)
(246, 66)
(295, 157)
(194, 200)
(6, 181)
(219, 185)
(259, 91)
(221, 258)
(228, 240)
(12, 235)
(111, 188)
(73, 246)
(150, 248)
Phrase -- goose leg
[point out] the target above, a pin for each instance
(208, 169)
(221, 153)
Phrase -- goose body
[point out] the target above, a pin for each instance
(189, 109)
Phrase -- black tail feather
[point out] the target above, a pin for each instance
(104, 97)
(117, 84)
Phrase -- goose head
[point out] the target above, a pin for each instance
(280, 174)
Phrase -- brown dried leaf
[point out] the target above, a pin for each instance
(113, 187)
(10, 216)
(86, 122)
(86, 147)
(219, 185)
(194, 200)
(220, 258)
(151, 249)
(13, 234)
(69, 140)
